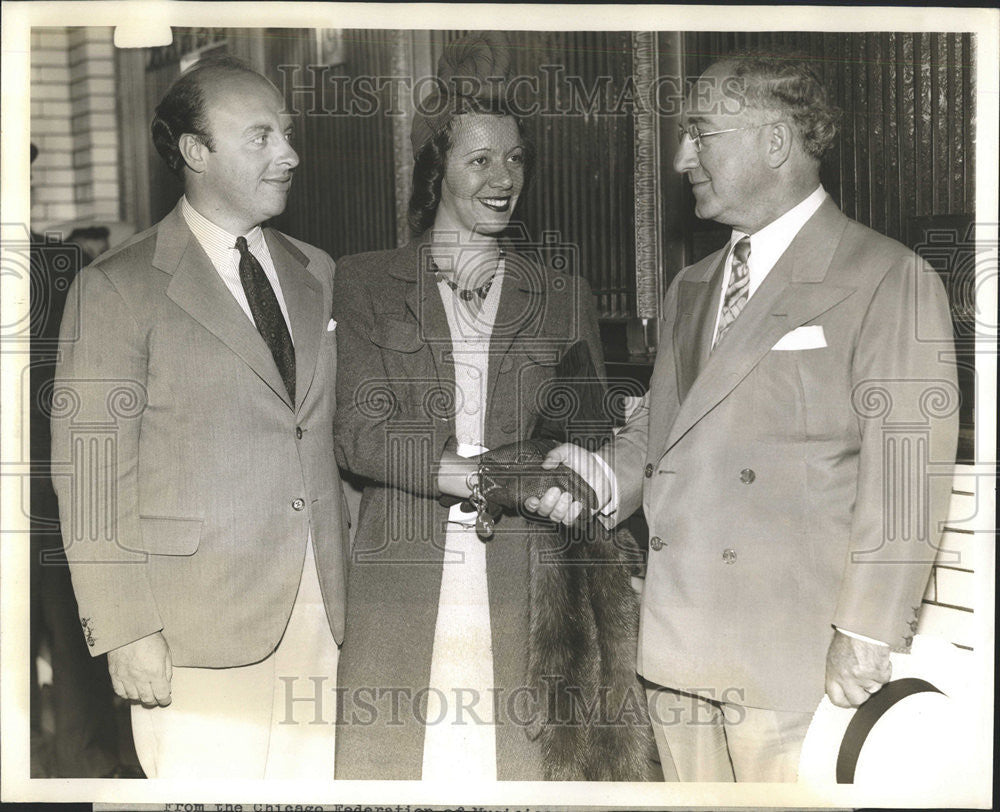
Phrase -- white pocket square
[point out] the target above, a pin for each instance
(809, 337)
(331, 326)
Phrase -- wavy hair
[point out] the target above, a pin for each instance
(429, 165)
(788, 85)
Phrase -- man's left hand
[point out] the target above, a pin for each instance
(855, 669)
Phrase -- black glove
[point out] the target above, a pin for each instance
(512, 473)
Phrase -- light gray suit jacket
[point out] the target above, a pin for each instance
(195, 481)
(787, 491)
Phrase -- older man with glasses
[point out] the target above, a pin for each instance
(801, 394)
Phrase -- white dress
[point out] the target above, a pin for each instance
(459, 737)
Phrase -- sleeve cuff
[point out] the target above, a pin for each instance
(861, 637)
(611, 507)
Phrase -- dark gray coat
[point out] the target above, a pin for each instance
(395, 394)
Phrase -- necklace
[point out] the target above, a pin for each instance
(466, 294)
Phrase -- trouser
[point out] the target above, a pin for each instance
(272, 719)
(706, 740)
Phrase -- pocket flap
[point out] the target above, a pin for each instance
(392, 334)
(544, 354)
(168, 536)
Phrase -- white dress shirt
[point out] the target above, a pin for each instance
(767, 246)
(220, 246)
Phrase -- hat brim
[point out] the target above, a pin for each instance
(917, 739)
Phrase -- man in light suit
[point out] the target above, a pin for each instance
(793, 453)
(203, 519)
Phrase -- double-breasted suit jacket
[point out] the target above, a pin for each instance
(789, 490)
(193, 482)
(396, 405)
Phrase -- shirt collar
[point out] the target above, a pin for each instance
(214, 239)
(768, 244)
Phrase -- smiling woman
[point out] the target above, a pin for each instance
(444, 347)
(467, 181)
(484, 174)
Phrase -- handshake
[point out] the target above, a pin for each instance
(550, 479)
(513, 473)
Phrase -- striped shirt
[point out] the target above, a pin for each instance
(220, 246)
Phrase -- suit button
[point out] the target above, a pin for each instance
(729, 555)
(656, 543)
(649, 470)
(747, 476)
(298, 504)
(298, 433)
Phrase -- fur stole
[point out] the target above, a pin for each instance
(594, 723)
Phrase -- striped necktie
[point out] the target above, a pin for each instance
(738, 290)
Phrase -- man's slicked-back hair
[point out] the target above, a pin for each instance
(182, 108)
(787, 84)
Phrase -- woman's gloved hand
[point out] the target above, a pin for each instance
(512, 473)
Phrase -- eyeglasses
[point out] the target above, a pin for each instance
(692, 132)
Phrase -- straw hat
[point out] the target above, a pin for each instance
(914, 732)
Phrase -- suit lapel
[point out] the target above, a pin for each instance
(794, 292)
(695, 323)
(303, 297)
(197, 288)
(520, 311)
(424, 302)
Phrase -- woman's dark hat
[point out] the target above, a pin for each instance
(472, 74)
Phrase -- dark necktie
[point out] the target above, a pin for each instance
(738, 290)
(267, 315)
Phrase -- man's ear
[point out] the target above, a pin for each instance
(194, 151)
(779, 143)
